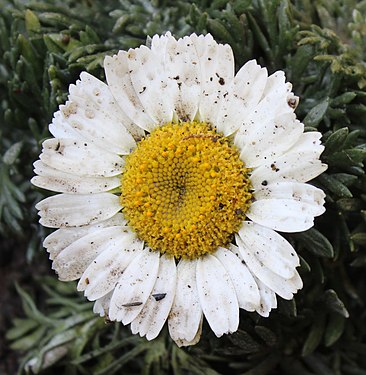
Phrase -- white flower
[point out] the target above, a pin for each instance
(174, 177)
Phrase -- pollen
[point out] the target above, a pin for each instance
(191, 187)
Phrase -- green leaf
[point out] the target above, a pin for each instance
(316, 114)
(334, 304)
(260, 37)
(349, 204)
(287, 307)
(218, 29)
(242, 6)
(359, 238)
(245, 342)
(265, 367)
(119, 363)
(267, 335)
(12, 153)
(29, 341)
(345, 178)
(21, 327)
(154, 354)
(346, 158)
(334, 329)
(315, 335)
(336, 141)
(343, 99)
(305, 266)
(315, 242)
(300, 60)
(133, 340)
(334, 186)
(32, 23)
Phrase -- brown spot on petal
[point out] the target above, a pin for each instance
(69, 109)
(159, 296)
(89, 113)
(132, 304)
(293, 102)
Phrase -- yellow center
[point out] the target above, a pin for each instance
(185, 190)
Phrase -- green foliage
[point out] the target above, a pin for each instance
(321, 46)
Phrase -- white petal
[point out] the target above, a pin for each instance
(242, 95)
(268, 138)
(186, 313)
(75, 258)
(274, 101)
(107, 102)
(60, 128)
(270, 128)
(282, 286)
(243, 281)
(284, 215)
(182, 70)
(101, 305)
(104, 272)
(158, 42)
(96, 115)
(270, 248)
(152, 317)
(148, 76)
(134, 287)
(80, 158)
(300, 163)
(61, 238)
(69, 210)
(297, 191)
(62, 182)
(309, 141)
(268, 299)
(217, 296)
(216, 65)
(119, 81)
(277, 92)
(196, 338)
(302, 167)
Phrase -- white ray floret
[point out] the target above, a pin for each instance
(240, 97)
(244, 284)
(72, 261)
(71, 210)
(62, 182)
(101, 305)
(268, 300)
(217, 296)
(134, 287)
(81, 158)
(186, 313)
(182, 69)
(283, 286)
(63, 237)
(104, 272)
(152, 85)
(216, 64)
(119, 81)
(152, 317)
(282, 259)
(91, 94)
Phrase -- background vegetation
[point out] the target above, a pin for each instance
(321, 45)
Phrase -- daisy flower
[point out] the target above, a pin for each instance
(174, 178)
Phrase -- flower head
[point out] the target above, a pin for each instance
(174, 178)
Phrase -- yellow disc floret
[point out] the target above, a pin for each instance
(185, 190)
